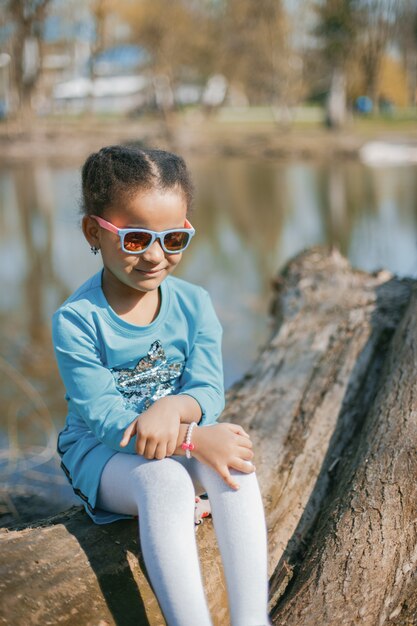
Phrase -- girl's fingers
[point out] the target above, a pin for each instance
(156, 447)
(171, 446)
(160, 450)
(247, 467)
(128, 434)
(228, 478)
(146, 445)
(236, 428)
(150, 449)
(246, 454)
(245, 442)
(140, 444)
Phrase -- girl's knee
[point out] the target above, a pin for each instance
(249, 478)
(164, 476)
(210, 478)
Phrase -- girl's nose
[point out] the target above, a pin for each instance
(154, 253)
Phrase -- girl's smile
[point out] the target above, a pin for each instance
(149, 272)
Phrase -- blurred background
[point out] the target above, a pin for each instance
(297, 120)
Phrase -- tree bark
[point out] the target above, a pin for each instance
(329, 405)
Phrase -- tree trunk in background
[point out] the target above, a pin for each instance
(336, 100)
(329, 405)
(26, 57)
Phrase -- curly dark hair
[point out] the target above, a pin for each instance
(119, 170)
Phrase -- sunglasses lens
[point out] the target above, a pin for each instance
(176, 241)
(137, 241)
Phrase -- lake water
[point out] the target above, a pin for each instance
(250, 218)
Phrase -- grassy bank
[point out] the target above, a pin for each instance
(236, 132)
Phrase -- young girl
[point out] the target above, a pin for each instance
(139, 352)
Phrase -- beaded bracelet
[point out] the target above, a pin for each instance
(187, 445)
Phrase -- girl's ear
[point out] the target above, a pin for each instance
(91, 231)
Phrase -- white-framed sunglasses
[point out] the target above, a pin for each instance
(137, 240)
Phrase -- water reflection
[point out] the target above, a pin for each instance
(251, 217)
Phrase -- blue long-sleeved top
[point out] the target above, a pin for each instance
(113, 371)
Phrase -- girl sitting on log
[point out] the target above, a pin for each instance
(139, 352)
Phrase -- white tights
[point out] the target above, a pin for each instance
(162, 493)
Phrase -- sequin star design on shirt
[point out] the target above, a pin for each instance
(151, 379)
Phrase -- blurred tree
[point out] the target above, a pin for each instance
(99, 10)
(180, 37)
(27, 18)
(406, 38)
(258, 56)
(337, 29)
(247, 42)
(392, 85)
(102, 13)
(378, 22)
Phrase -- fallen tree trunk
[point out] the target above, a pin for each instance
(358, 562)
(330, 408)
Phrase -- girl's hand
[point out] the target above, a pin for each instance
(156, 430)
(224, 446)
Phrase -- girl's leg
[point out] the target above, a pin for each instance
(239, 522)
(161, 492)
